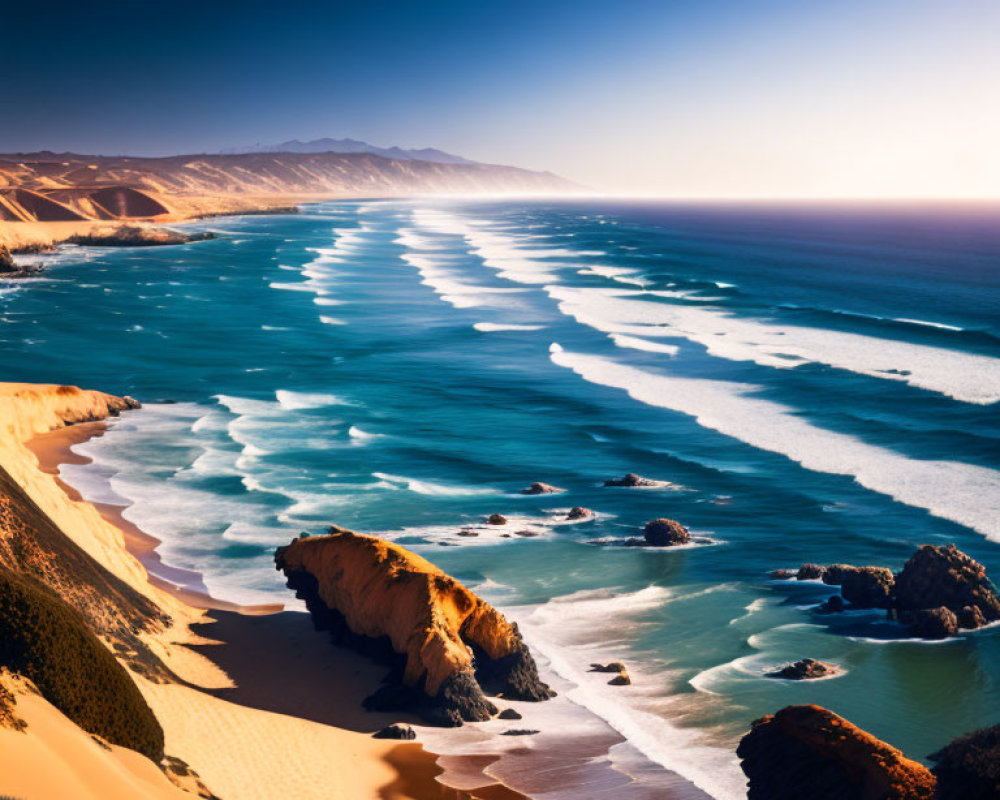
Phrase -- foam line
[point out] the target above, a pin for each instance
(963, 493)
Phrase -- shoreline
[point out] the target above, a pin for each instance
(259, 646)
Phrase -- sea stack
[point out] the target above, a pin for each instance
(448, 648)
(809, 752)
(665, 533)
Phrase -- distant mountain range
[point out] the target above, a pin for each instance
(328, 145)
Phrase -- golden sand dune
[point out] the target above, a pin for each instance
(252, 746)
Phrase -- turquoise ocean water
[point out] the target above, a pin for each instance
(812, 384)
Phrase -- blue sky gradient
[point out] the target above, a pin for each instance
(682, 97)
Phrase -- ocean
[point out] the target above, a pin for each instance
(809, 383)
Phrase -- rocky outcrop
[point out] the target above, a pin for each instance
(509, 713)
(665, 533)
(810, 572)
(932, 623)
(865, 587)
(809, 752)
(542, 488)
(579, 512)
(6, 261)
(496, 519)
(969, 767)
(136, 236)
(448, 647)
(807, 669)
(614, 666)
(632, 481)
(402, 732)
(939, 591)
(945, 576)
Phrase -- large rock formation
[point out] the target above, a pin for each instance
(808, 752)
(939, 591)
(447, 646)
(945, 576)
(969, 767)
(862, 587)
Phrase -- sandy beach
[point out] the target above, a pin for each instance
(265, 704)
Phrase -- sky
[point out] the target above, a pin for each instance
(677, 98)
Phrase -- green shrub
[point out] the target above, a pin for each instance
(45, 639)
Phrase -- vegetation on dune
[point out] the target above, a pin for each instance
(46, 640)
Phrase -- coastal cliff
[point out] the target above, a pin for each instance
(449, 647)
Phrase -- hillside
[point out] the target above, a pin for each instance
(50, 187)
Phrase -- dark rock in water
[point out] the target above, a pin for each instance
(631, 481)
(468, 533)
(131, 402)
(8, 269)
(526, 533)
(782, 574)
(6, 261)
(807, 669)
(665, 533)
(833, 605)
(579, 512)
(447, 647)
(520, 732)
(509, 713)
(866, 587)
(833, 575)
(809, 753)
(931, 623)
(971, 618)
(542, 488)
(614, 666)
(945, 576)
(621, 679)
(395, 732)
(496, 519)
(810, 572)
(969, 767)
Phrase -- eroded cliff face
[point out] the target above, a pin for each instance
(448, 645)
(810, 752)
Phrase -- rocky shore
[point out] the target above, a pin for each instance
(448, 648)
(939, 591)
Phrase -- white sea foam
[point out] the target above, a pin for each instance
(940, 325)
(302, 400)
(644, 344)
(618, 274)
(493, 327)
(427, 487)
(964, 376)
(964, 493)
(361, 436)
(569, 632)
(326, 320)
(450, 285)
(511, 255)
